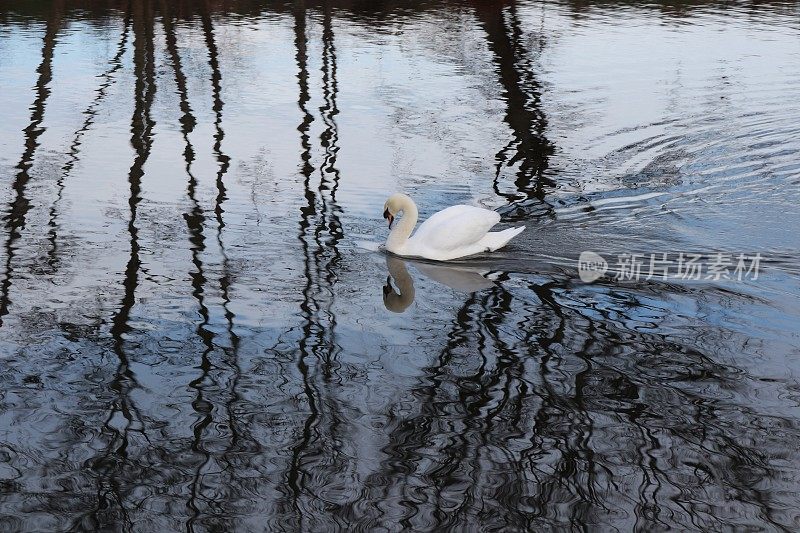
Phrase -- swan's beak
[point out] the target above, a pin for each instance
(388, 216)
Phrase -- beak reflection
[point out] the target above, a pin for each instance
(398, 300)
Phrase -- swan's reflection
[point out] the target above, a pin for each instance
(461, 278)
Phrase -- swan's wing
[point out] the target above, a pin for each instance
(455, 227)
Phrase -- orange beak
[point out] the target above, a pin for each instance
(388, 216)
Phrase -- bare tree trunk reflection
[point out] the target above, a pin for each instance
(529, 149)
(320, 233)
(195, 221)
(19, 207)
(115, 466)
(239, 438)
(108, 77)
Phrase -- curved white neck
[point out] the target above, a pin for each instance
(402, 230)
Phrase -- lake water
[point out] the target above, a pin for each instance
(199, 331)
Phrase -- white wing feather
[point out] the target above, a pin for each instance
(458, 226)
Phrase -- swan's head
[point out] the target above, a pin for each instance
(394, 205)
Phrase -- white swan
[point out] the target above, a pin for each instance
(455, 232)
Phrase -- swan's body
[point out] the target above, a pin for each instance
(455, 232)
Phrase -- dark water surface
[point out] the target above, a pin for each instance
(196, 329)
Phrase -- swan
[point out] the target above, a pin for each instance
(452, 233)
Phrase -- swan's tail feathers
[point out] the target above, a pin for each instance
(498, 239)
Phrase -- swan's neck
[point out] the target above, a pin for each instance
(402, 231)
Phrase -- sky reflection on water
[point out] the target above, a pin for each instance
(197, 330)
